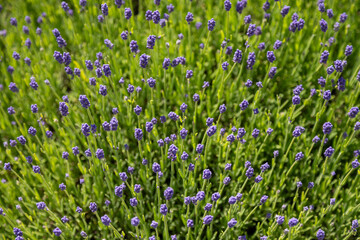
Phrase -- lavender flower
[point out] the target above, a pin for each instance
(338, 64)
(341, 84)
(263, 199)
(249, 172)
(241, 5)
(266, 6)
(280, 219)
(258, 179)
(320, 234)
(321, 7)
(144, 60)
(293, 222)
(323, 25)
(285, 11)
(163, 209)
(270, 56)
(127, 13)
(151, 42)
(261, 46)
(170, 8)
(243, 105)
(237, 56)
(138, 134)
(343, 17)
(189, 74)
(13, 21)
(211, 24)
(207, 219)
(41, 205)
(251, 30)
(251, 60)
(329, 152)
(100, 153)
(327, 127)
(348, 50)
(199, 149)
(104, 9)
(168, 193)
(232, 223)
(277, 44)
(272, 72)
(227, 5)
(189, 17)
(247, 19)
(299, 156)
(330, 69)
(105, 220)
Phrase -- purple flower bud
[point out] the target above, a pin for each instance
(343, 17)
(84, 101)
(189, 17)
(243, 105)
(271, 56)
(272, 72)
(251, 60)
(251, 30)
(232, 223)
(144, 60)
(329, 152)
(323, 25)
(163, 209)
(348, 50)
(100, 153)
(293, 222)
(241, 5)
(327, 127)
(105, 220)
(277, 44)
(285, 11)
(127, 13)
(211, 24)
(237, 56)
(207, 219)
(249, 172)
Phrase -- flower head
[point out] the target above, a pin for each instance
(293, 222)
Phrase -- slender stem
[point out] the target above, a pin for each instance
(287, 151)
(207, 40)
(116, 231)
(295, 198)
(318, 117)
(289, 234)
(188, 234)
(247, 217)
(348, 236)
(308, 153)
(221, 237)
(342, 182)
(288, 172)
(201, 230)
(166, 228)
(158, 191)
(189, 35)
(243, 186)
(227, 76)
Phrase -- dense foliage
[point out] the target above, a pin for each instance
(179, 119)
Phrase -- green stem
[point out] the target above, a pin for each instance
(247, 217)
(221, 237)
(166, 228)
(201, 230)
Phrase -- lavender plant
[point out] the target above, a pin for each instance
(179, 119)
